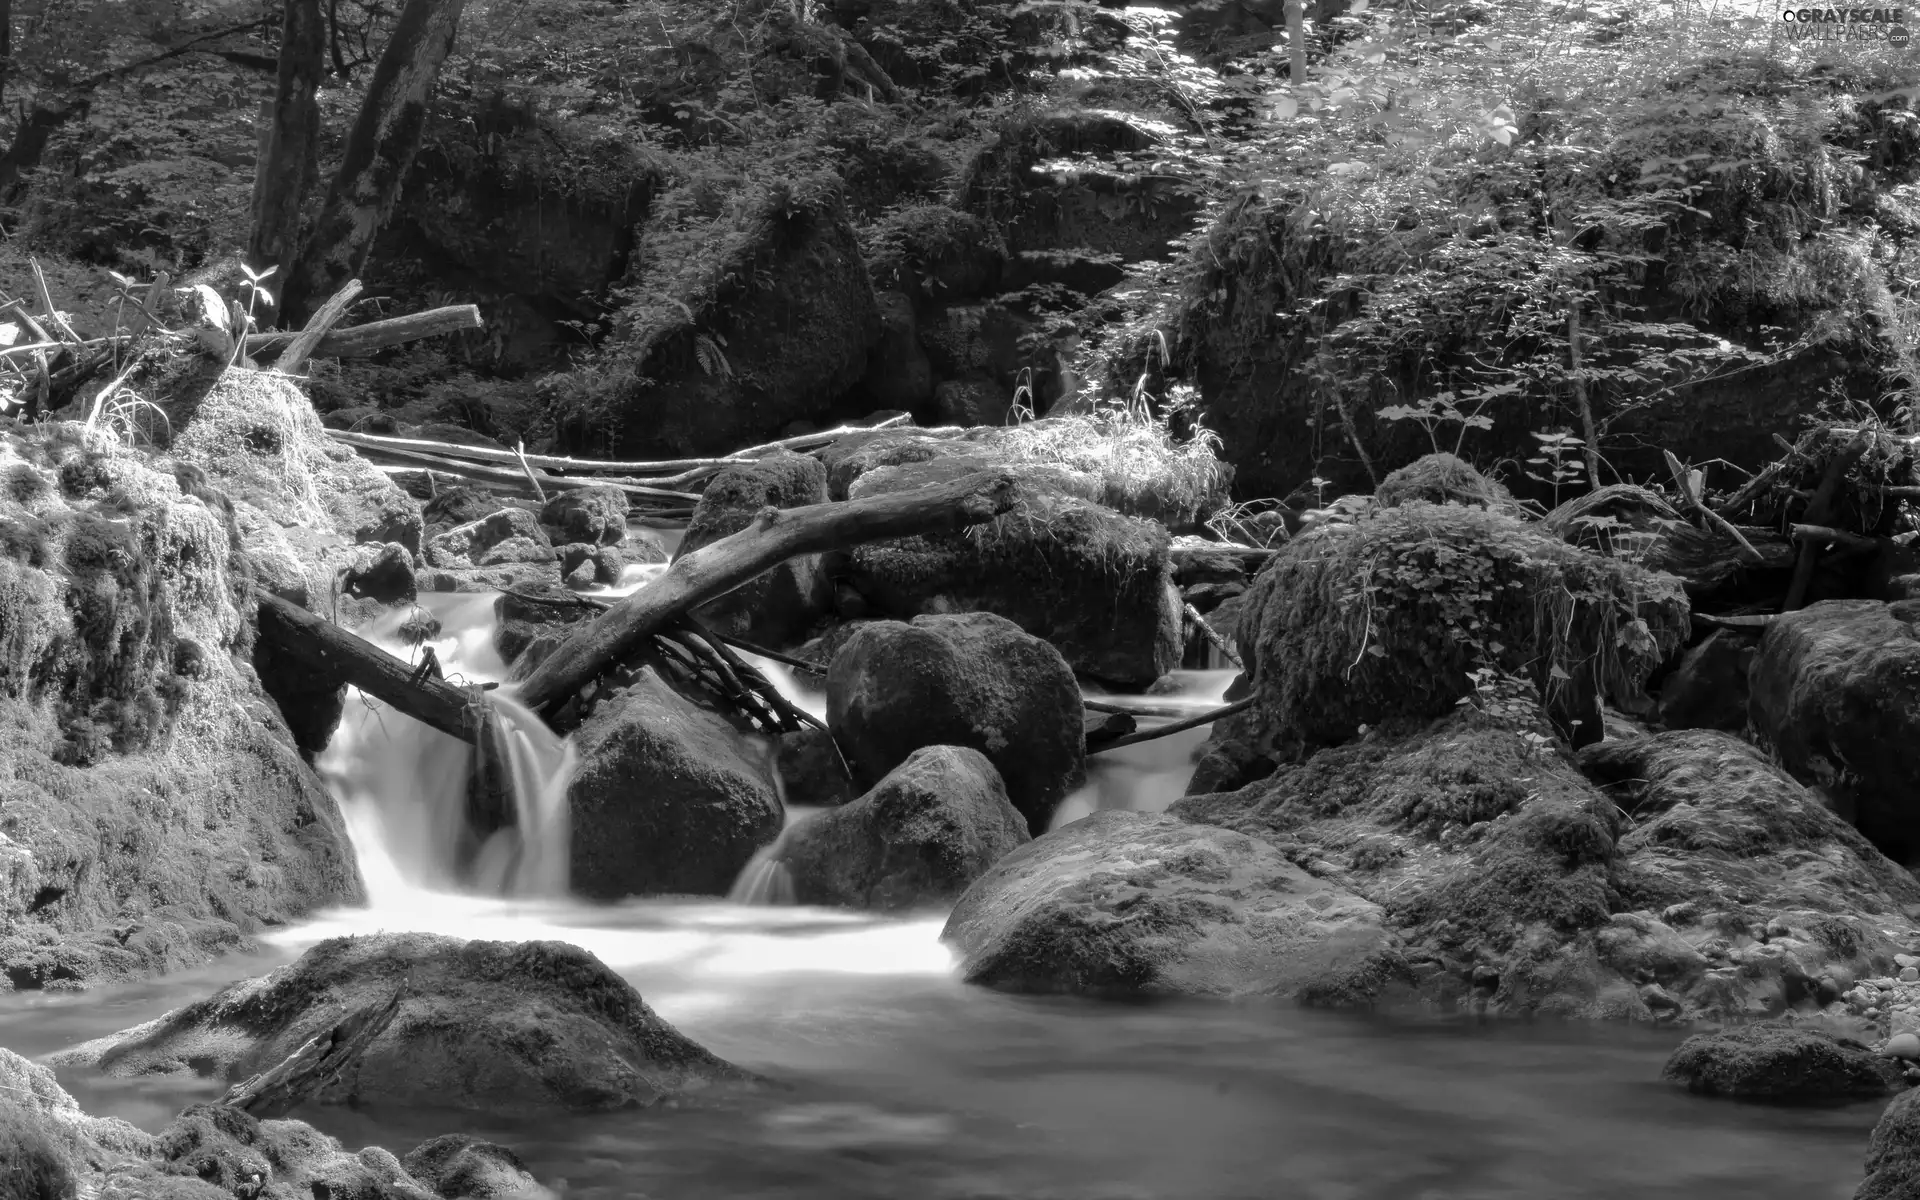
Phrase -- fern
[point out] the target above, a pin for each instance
(706, 348)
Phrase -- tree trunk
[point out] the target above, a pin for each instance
(6, 45)
(381, 147)
(1585, 406)
(291, 159)
(31, 138)
(1297, 41)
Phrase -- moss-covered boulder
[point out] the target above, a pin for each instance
(936, 823)
(1128, 904)
(669, 797)
(1094, 583)
(509, 536)
(594, 515)
(155, 810)
(1835, 692)
(1355, 624)
(970, 679)
(1782, 1065)
(776, 607)
(515, 1028)
(1893, 1152)
(1443, 479)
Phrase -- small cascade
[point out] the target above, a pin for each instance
(766, 880)
(1152, 775)
(529, 857)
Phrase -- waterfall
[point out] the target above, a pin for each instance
(766, 879)
(402, 786)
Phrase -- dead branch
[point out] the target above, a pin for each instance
(515, 480)
(1212, 635)
(774, 536)
(374, 335)
(1824, 536)
(331, 313)
(1147, 735)
(282, 1088)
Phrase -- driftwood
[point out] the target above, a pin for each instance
(326, 648)
(331, 313)
(1819, 511)
(516, 480)
(1148, 735)
(374, 335)
(1748, 622)
(284, 1087)
(774, 536)
(1212, 635)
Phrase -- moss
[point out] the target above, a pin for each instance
(1443, 479)
(32, 1166)
(1134, 463)
(1357, 624)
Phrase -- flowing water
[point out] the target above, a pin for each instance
(896, 1082)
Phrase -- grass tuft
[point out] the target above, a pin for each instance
(1132, 461)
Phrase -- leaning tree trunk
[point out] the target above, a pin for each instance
(291, 158)
(385, 137)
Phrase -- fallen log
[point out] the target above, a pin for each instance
(1212, 634)
(280, 1089)
(525, 481)
(374, 335)
(324, 647)
(331, 313)
(1148, 735)
(774, 536)
(1746, 621)
(1824, 536)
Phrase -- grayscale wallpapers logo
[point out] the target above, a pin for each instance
(1885, 25)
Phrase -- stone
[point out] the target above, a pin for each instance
(1096, 584)
(812, 774)
(1708, 689)
(1780, 1064)
(381, 573)
(596, 515)
(973, 680)
(459, 506)
(1893, 1152)
(509, 536)
(936, 823)
(1131, 904)
(510, 1028)
(523, 615)
(466, 1167)
(669, 798)
(1836, 694)
(780, 605)
(1902, 1045)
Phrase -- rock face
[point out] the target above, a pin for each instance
(1784, 1065)
(594, 515)
(777, 607)
(1836, 691)
(1726, 892)
(1130, 904)
(669, 797)
(973, 680)
(511, 1028)
(155, 809)
(466, 1167)
(42, 1107)
(1893, 1153)
(1096, 584)
(1708, 690)
(511, 535)
(925, 832)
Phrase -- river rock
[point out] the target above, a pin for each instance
(1708, 689)
(669, 797)
(1836, 693)
(778, 606)
(596, 515)
(456, 506)
(238, 1154)
(154, 809)
(1122, 903)
(511, 535)
(515, 1028)
(36, 1109)
(1094, 583)
(1893, 1152)
(973, 680)
(1781, 1064)
(466, 1167)
(852, 456)
(925, 832)
(812, 773)
(531, 612)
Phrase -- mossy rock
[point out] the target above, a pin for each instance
(1781, 1065)
(1444, 479)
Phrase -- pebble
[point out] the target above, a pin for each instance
(1902, 1045)
(1910, 975)
(1905, 960)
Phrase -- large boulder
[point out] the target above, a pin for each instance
(1836, 693)
(925, 832)
(669, 797)
(1893, 1152)
(1354, 624)
(1781, 1064)
(1094, 583)
(511, 535)
(970, 679)
(515, 1028)
(1708, 688)
(1122, 904)
(595, 515)
(778, 606)
(154, 810)
(459, 1165)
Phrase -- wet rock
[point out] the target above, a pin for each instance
(1094, 583)
(973, 680)
(777, 607)
(241, 1155)
(585, 566)
(812, 773)
(850, 457)
(515, 1028)
(383, 574)
(1708, 690)
(596, 515)
(1836, 693)
(525, 614)
(1780, 1064)
(509, 536)
(1893, 1152)
(669, 797)
(459, 506)
(460, 1166)
(1132, 904)
(916, 840)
